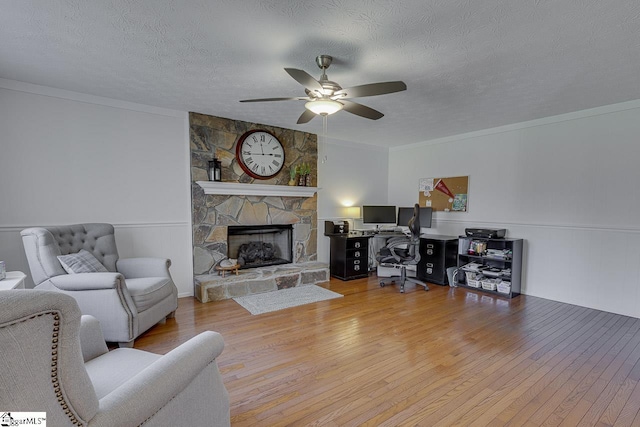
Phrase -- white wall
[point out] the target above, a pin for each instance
(348, 173)
(569, 185)
(69, 158)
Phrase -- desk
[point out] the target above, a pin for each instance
(14, 280)
(389, 234)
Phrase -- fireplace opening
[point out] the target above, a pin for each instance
(260, 245)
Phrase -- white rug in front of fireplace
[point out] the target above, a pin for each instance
(285, 298)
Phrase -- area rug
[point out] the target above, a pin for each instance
(285, 298)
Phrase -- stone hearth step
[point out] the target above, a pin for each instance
(211, 287)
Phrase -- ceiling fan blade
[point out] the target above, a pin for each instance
(276, 99)
(361, 110)
(306, 116)
(372, 89)
(304, 79)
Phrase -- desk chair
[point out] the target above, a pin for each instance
(403, 251)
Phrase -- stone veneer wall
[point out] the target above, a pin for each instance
(215, 136)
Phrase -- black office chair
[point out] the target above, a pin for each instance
(403, 251)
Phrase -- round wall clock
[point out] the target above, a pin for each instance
(260, 154)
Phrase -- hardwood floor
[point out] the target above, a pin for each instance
(446, 357)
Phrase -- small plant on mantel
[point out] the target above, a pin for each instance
(293, 173)
(303, 171)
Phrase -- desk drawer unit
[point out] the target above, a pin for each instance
(349, 257)
(437, 253)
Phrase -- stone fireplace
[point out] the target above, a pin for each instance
(217, 210)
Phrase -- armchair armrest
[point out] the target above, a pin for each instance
(91, 338)
(88, 281)
(133, 268)
(146, 393)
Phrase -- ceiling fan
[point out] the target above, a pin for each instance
(326, 97)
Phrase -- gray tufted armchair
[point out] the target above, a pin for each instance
(130, 297)
(55, 361)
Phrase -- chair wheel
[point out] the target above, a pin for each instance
(382, 284)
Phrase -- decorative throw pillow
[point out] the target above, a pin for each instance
(81, 262)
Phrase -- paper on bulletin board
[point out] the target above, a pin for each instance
(449, 194)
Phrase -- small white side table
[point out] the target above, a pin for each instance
(14, 280)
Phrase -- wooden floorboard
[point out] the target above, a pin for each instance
(446, 357)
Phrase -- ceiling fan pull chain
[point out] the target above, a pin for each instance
(321, 148)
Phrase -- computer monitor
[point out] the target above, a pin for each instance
(405, 214)
(378, 214)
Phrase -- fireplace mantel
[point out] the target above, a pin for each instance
(237, 189)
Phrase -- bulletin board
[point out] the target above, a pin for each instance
(449, 194)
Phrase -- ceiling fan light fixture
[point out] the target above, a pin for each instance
(323, 107)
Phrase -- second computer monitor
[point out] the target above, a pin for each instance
(405, 214)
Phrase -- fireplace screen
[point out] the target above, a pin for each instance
(260, 245)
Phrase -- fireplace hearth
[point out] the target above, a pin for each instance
(260, 245)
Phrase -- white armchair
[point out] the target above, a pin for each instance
(51, 364)
(128, 297)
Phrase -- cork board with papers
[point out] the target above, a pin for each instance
(449, 194)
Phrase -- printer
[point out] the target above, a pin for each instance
(485, 233)
(331, 228)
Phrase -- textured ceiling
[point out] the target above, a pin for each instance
(468, 65)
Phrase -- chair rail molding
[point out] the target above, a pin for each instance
(237, 189)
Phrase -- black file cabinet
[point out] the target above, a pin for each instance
(437, 253)
(349, 257)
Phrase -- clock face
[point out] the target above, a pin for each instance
(260, 154)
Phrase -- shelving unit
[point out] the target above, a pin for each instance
(513, 261)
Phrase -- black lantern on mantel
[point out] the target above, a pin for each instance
(215, 170)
